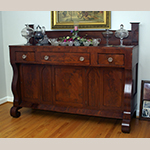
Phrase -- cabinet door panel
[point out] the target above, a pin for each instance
(93, 86)
(30, 83)
(46, 80)
(69, 86)
(113, 88)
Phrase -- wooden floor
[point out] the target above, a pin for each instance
(46, 124)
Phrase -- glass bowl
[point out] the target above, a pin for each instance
(63, 43)
(87, 43)
(96, 41)
(52, 40)
(70, 43)
(76, 43)
(55, 43)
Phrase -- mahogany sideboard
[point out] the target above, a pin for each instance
(97, 81)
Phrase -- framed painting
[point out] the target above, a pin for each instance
(145, 100)
(84, 19)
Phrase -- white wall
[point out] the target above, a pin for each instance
(3, 93)
(13, 22)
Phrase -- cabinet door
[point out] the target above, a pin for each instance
(30, 83)
(68, 86)
(113, 85)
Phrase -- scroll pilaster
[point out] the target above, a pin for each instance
(15, 89)
(15, 85)
(126, 121)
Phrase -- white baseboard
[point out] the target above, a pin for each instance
(6, 99)
(3, 100)
(9, 99)
(137, 113)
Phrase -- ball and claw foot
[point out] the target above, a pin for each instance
(14, 112)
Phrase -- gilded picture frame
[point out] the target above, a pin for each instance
(84, 19)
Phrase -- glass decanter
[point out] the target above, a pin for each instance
(107, 34)
(121, 33)
(27, 33)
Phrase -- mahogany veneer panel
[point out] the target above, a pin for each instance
(46, 84)
(66, 58)
(116, 59)
(93, 87)
(68, 86)
(30, 83)
(113, 85)
(30, 56)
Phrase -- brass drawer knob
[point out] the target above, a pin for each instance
(24, 56)
(46, 57)
(110, 59)
(81, 58)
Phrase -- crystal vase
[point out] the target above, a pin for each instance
(108, 34)
(27, 33)
(121, 33)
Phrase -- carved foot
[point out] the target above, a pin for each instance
(125, 128)
(126, 122)
(14, 112)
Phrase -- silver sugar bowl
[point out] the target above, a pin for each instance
(121, 33)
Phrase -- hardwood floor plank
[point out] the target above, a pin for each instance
(74, 126)
(46, 124)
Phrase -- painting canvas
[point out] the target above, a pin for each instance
(146, 109)
(68, 16)
(84, 19)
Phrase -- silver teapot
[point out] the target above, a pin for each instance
(39, 34)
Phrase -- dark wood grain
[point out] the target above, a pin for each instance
(93, 87)
(116, 59)
(46, 85)
(66, 83)
(66, 58)
(14, 112)
(30, 87)
(29, 56)
(68, 86)
(113, 85)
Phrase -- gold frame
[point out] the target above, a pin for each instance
(106, 24)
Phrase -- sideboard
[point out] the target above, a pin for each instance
(87, 80)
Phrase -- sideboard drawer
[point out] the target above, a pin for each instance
(111, 59)
(25, 56)
(66, 58)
